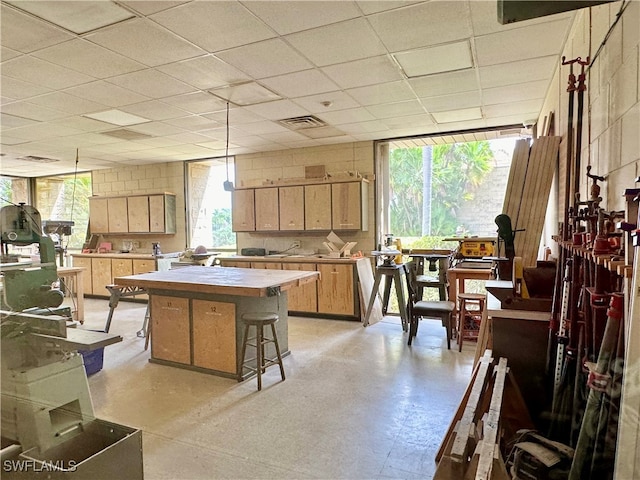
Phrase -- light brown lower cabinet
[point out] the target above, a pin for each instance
(87, 283)
(100, 275)
(214, 335)
(303, 298)
(336, 289)
(170, 329)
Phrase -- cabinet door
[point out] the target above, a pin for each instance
(170, 333)
(121, 267)
(317, 207)
(86, 275)
(335, 289)
(303, 298)
(162, 213)
(291, 207)
(98, 215)
(237, 264)
(100, 275)
(267, 215)
(117, 207)
(214, 335)
(143, 266)
(138, 213)
(347, 208)
(243, 211)
(266, 265)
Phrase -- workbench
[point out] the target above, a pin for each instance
(195, 312)
(74, 286)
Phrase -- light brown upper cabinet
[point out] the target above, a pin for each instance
(98, 215)
(291, 208)
(118, 218)
(267, 211)
(317, 207)
(349, 204)
(162, 213)
(138, 212)
(243, 210)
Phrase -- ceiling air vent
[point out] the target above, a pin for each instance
(301, 123)
(125, 134)
(33, 158)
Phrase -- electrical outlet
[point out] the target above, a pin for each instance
(295, 244)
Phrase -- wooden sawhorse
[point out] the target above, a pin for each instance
(391, 273)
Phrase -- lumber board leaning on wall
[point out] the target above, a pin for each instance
(528, 192)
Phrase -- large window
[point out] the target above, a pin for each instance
(434, 188)
(13, 190)
(65, 198)
(209, 204)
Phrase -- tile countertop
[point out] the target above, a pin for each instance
(143, 256)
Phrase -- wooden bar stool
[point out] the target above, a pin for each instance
(470, 307)
(259, 320)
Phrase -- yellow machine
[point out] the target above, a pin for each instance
(472, 250)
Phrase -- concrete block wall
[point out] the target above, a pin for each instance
(251, 170)
(146, 179)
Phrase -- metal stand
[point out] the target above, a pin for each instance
(118, 292)
(390, 272)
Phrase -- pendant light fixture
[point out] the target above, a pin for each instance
(227, 185)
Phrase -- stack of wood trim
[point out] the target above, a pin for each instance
(527, 194)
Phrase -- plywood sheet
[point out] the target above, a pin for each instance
(170, 339)
(365, 283)
(214, 335)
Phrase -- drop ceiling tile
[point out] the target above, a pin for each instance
(25, 33)
(444, 83)
(363, 72)
(508, 120)
(458, 115)
(67, 103)
(197, 102)
(243, 94)
(528, 107)
(363, 127)
(10, 140)
(407, 121)
(32, 111)
(285, 137)
(159, 142)
(259, 128)
(398, 109)
(518, 72)
(106, 93)
(214, 26)
(382, 93)
(82, 123)
(373, 6)
(265, 59)
(89, 139)
(192, 123)
(13, 121)
(351, 115)
(293, 16)
(277, 110)
(82, 56)
(7, 53)
(298, 84)
(77, 17)
(515, 93)
(42, 131)
(154, 110)
(437, 59)
(151, 83)
(20, 90)
(31, 69)
(148, 7)
(133, 39)
(406, 28)
(452, 102)
(204, 72)
(314, 103)
(337, 43)
(188, 137)
(237, 116)
(484, 18)
(533, 41)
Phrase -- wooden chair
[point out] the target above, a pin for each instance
(417, 309)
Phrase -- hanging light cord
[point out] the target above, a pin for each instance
(226, 152)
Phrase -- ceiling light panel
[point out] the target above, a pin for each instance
(438, 59)
(249, 93)
(117, 117)
(458, 115)
(341, 42)
(77, 17)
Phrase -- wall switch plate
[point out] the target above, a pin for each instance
(295, 244)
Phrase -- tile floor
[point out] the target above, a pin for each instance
(358, 403)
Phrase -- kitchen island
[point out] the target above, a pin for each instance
(195, 312)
